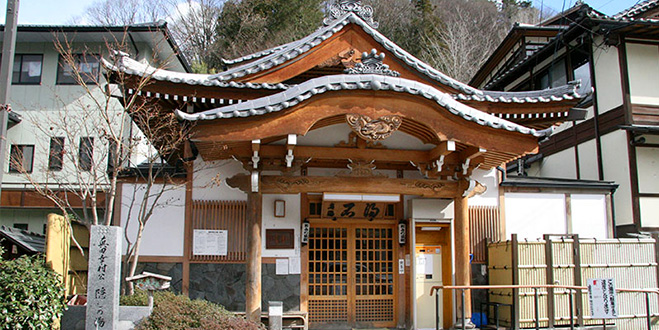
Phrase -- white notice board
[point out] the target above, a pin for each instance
(602, 298)
(210, 242)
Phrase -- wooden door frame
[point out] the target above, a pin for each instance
(448, 276)
(352, 224)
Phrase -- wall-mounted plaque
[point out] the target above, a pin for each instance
(279, 239)
(280, 208)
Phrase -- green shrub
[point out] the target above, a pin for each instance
(178, 312)
(31, 295)
(139, 298)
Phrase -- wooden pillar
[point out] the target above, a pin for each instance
(462, 267)
(188, 230)
(253, 262)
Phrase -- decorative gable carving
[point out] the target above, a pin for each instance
(372, 63)
(373, 130)
(342, 7)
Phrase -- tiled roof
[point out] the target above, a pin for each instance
(129, 66)
(621, 19)
(566, 92)
(312, 87)
(256, 55)
(637, 9)
(29, 241)
(304, 45)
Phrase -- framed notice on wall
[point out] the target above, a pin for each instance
(279, 239)
(210, 242)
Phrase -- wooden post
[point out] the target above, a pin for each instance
(462, 267)
(576, 249)
(549, 262)
(253, 285)
(187, 237)
(515, 268)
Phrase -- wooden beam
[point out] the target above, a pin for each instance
(443, 149)
(372, 185)
(339, 153)
(375, 104)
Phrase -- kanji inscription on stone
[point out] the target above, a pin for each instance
(103, 281)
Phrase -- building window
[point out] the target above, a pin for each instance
(21, 226)
(112, 154)
(87, 66)
(27, 69)
(56, 153)
(85, 153)
(21, 158)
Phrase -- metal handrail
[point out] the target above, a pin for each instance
(535, 288)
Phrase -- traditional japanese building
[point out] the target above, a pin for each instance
(617, 140)
(334, 173)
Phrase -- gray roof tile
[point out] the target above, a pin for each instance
(308, 89)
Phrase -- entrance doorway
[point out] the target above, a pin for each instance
(352, 281)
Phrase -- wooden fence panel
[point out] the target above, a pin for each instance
(483, 226)
(222, 215)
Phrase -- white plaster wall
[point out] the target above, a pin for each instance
(331, 135)
(589, 216)
(432, 209)
(649, 211)
(559, 165)
(491, 181)
(562, 127)
(209, 180)
(588, 160)
(643, 68)
(607, 73)
(647, 161)
(615, 161)
(291, 221)
(652, 139)
(164, 232)
(532, 215)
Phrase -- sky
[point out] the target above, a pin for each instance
(58, 12)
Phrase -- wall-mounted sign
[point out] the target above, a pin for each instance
(353, 210)
(602, 298)
(402, 233)
(210, 242)
(279, 239)
(304, 235)
(280, 208)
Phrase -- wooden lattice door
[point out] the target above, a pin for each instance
(351, 275)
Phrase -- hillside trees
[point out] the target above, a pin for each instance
(455, 36)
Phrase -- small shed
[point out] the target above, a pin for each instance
(16, 242)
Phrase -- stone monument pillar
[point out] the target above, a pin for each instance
(103, 278)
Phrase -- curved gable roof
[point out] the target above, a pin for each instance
(321, 85)
(298, 48)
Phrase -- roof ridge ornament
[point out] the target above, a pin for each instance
(342, 7)
(372, 63)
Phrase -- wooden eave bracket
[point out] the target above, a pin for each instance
(290, 145)
(256, 146)
(472, 158)
(438, 154)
